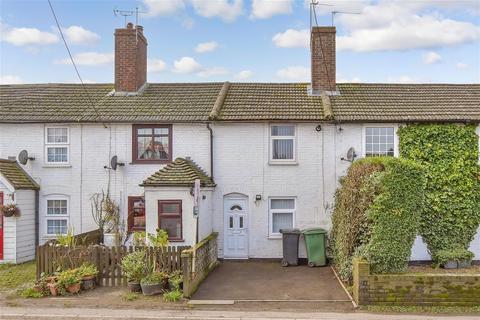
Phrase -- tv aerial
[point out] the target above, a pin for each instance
(127, 13)
(351, 155)
(23, 157)
(313, 12)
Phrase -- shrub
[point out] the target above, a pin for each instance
(154, 278)
(173, 295)
(377, 214)
(449, 154)
(134, 266)
(458, 254)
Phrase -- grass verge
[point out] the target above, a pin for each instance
(16, 276)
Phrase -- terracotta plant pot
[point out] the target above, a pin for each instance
(74, 288)
(53, 287)
(88, 283)
(134, 287)
(152, 289)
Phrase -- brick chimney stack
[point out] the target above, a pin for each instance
(130, 58)
(322, 47)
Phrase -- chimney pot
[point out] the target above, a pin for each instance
(129, 25)
(323, 69)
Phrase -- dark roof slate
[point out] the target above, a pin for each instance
(17, 177)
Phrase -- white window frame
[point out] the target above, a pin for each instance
(271, 211)
(49, 145)
(380, 125)
(272, 138)
(56, 216)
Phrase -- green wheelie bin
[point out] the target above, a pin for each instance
(315, 244)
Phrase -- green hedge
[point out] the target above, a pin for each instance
(449, 154)
(377, 214)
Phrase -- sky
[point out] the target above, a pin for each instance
(394, 41)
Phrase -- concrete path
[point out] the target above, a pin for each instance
(269, 281)
(13, 313)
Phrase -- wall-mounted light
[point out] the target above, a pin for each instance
(258, 197)
(318, 128)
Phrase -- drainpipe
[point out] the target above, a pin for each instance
(37, 218)
(211, 149)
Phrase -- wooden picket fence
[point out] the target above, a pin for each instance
(52, 257)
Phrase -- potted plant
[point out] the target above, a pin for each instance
(154, 283)
(134, 268)
(70, 280)
(88, 273)
(9, 210)
(454, 258)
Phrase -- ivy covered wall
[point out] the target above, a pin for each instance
(449, 155)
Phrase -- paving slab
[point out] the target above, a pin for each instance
(269, 281)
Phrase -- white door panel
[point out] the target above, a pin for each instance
(236, 228)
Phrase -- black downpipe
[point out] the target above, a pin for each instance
(211, 150)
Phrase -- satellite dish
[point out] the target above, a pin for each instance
(114, 163)
(23, 157)
(351, 155)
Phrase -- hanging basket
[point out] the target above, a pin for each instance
(9, 210)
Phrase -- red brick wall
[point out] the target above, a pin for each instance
(323, 70)
(130, 59)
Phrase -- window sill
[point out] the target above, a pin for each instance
(150, 162)
(274, 237)
(282, 163)
(57, 166)
(177, 240)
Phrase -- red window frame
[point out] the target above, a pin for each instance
(171, 215)
(131, 200)
(135, 128)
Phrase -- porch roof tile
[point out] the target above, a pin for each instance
(16, 176)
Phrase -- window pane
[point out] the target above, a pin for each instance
(170, 208)
(283, 131)
(241, 222)
(57, 135)
(282, 220)
(173, 227)
(144, 131)
(283, 149)
(57, 207)
(379, 141)
(282, 203)
(57, 154)
(57, 226)
(230, 222)
(162, 131)
(160, 148)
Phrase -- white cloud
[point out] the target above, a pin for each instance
(263, 9)
(401, 79)
(297, 73)
(10, 79)
(292, 38)
(461, 65)
(227, 10)
(206, 47)
(89, 59)
(186, 65)
(215, 71)
(156, 65)
(188, 23)
(395, 25)
(244, 75)
(340, 79)
(26, 36)
(431, 57)
(80, 35)
(163, 7)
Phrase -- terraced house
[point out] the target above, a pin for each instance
(268, 155)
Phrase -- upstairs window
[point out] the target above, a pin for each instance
(379, 141)
(56, 145)
(152, 144)
(282, 143)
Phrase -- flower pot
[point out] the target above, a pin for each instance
(134, 287)
(88, 283)
(9, 213)
(74, 288)
(464, 264)
(152, 289)
(111, 239)
(452, 264)
(53, 287)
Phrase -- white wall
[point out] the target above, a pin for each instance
(91, 147)
(9, 228)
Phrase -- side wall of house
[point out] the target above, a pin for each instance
(90, 148)
(25, 225)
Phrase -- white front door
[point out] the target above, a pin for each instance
(236, 228)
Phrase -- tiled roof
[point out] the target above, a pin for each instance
(185, 102)
(407, 102)
(17, 177)
(180, 172)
